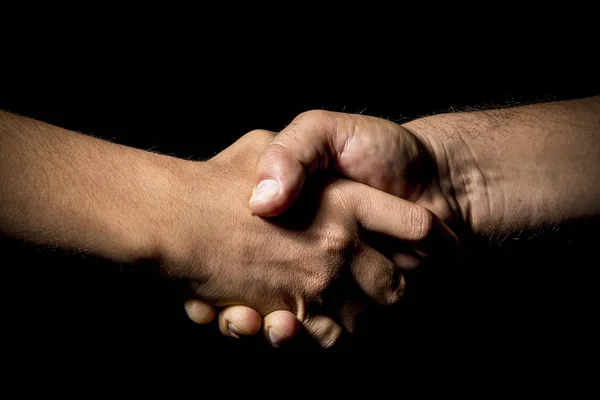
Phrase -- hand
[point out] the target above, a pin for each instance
(192, 218)
(373, 151)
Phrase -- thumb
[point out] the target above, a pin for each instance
(310, 143)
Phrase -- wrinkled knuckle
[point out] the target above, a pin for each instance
(334, 246)
(421, 223)
(323, 331)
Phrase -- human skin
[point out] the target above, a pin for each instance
(67, 190)
(485, 173)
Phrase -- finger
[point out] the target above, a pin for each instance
(399, 252)
(308, 144)
(199, 311)
(350, 311)
(323, 329)
(377, 276)
(347, 303)
(384, 213)
(238, 321)
(280, 327)
(406, 260)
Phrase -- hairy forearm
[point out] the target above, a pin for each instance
(520, 168)
(69, 190)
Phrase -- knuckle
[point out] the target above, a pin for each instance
(420, 223)
(377, 276)
(323, 330)
(259, 138)
(260, 134)
(318, 282)
(333, 248)
(275, 150)
(338, 194)
(311, 116)
(336, 240)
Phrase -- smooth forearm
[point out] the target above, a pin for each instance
(519, 168)
(65, 189)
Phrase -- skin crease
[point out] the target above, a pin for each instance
(490, 174)
(192, 219)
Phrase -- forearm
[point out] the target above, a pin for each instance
(65, 189)
(519, 168)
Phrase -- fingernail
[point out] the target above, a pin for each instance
(276, 338)
(265, 190)
(234, 331)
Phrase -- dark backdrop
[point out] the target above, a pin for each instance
(518, 297)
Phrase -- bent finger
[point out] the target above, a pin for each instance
(238, 321)
(377, 276)
(384, 213)
(323, 329)
(280, 326)
(199, 311)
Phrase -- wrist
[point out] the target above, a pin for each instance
(459, 180)
(156, 228)
(183, 199)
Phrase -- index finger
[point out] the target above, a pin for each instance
(387, 214)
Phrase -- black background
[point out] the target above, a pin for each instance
(519, 297)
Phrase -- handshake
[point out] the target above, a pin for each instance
(311, 227)
(342, 205)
